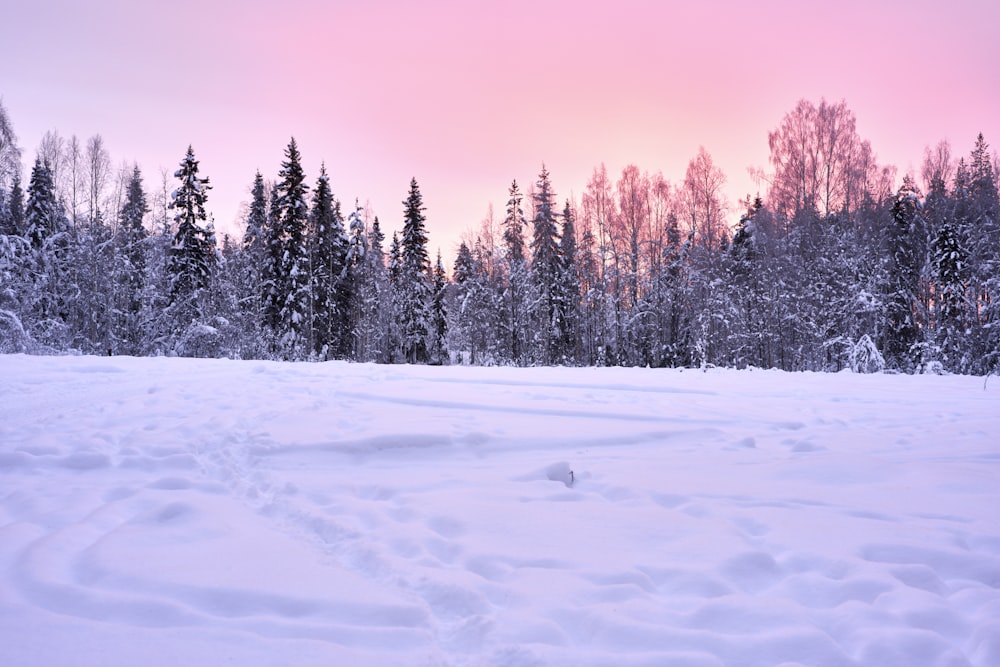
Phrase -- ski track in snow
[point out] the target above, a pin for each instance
(208, 512)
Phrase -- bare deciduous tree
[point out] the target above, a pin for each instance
(938, 168)
(705, 208)
(98, 169)
(10, 154)
(820, 163)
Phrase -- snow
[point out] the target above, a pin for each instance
(207, 512)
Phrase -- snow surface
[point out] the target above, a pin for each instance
(210, 512)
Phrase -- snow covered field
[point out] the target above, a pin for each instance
(210, 512)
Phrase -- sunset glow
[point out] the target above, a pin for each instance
(466, 98)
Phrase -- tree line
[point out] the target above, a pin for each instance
(831, 267)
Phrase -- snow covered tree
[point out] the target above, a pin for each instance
(10, 175)
(12, 210)
(568, 284)
(247, 266)
(290, 251)
(984, 250)
(330, 290)
(130, 267)
(463, 273)
(42, 216)
(356, 275)
(395, 297)
(372, 295)
(50, 264)
(10, 153)
(272, 269)
(95, 309)
(193, 254)
(474, 331)
(545, 272)
(439, 314)
(951, 275)
(414, 281)
(517, 284)
(255, 234)
(904, 265)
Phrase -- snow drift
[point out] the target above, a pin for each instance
(207, 512)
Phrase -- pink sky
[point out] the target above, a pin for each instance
(468, 97)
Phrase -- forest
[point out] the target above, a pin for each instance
(833, 265)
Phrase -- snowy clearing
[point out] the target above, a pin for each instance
(209, 512)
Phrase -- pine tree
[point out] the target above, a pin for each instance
(545, 272)
(192, 255)
(414, 283)
(330, 291)
(356, 276)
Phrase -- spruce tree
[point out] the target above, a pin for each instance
(15, 202)
(47, 300)
(192, 255)
(901, 330)
(439, 314)
(130, 278)
(395, 299)
(12, 199)
(414, 281)
(950, 274)
(355, 283)
(371, 293)
(464, 275)
(516, 290)
(569, 291)
(984, 248)
(255, 235)
(330, 291)
(272, 269)
(249, 264)
(292, 279)
(42, 215)
(546, 316)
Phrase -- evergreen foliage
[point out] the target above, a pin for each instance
(830, 271)
(291, 300)
(192, 255)
(43, 214)
(130, 268)
(329, 290)
(413, 283)
(545, 271)
(516, 288)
